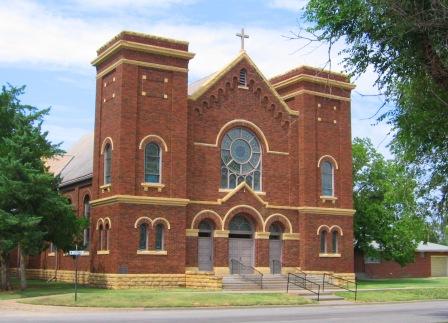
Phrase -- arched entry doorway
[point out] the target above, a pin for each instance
(241, 243)
(205, 246)
(275, 248)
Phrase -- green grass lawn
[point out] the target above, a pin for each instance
(397, 295)
(404, 283)
(167, 298)
(41, 288)
(57, 293)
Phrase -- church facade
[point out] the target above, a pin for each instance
(229, 174)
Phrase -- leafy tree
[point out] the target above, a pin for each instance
(32, 212)
(387, 221)
(406, 42)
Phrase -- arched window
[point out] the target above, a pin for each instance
(243, 77)
(275, 231)
(335, 242)
(143, 241)
(87, 216)
(106, 236)
(152, 163)
(160, 237)
(240, 159)
(205, 228)
(323, 241)
(101, 236)
(240, 227)
(107, 164)
(327, 176)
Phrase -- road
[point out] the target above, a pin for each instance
(436, 311)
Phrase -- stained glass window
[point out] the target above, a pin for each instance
(240, 224)
(323, 241)
(152, 163)
(143, 241)
(335, 242)
(107, 164)
(327, 178)
(240, 159)
(159, 236)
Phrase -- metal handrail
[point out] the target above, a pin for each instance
(302, 283)
(239, 266)
(346, 281)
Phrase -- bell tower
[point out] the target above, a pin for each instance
(141, 92)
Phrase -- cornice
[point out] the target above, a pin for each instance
(145, 48)
(315, 80)
(326, 211)
(150, 200)
(143, 35)
(130, 199)
(316, 93)
(140, 63)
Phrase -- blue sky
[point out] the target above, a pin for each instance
(48, 46)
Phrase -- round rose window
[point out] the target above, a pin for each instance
(240, 159)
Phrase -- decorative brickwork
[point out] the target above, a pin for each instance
(142, 95)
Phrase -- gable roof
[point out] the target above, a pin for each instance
(201, 86)
(77, 164)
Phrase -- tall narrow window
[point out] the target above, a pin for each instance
(240, 159)
(243, 77)
(159, 237)
(327, 173)
(87, 217)
(323, 241)
(143, 242)
(106, 236)
(107, 164)
(101, 236)
(152, 163)
(335, 242)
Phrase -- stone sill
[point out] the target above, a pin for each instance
(244, 87)
(146, 186)
(330, 255)
(51, 254)
(152, 252)
(105, 188)
(102, 252)
(324, 198)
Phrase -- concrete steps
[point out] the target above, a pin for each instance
(278, 283)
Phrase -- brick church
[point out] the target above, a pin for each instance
(229, 174)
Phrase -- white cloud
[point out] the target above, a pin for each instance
(145, 5)
(293, 5)
(39, 36)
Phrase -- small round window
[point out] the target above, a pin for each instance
(240, 159)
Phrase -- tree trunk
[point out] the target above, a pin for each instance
(23, 284)
(4, 283)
